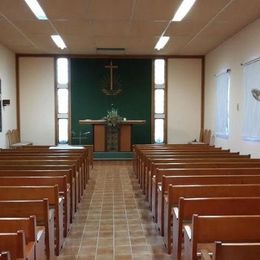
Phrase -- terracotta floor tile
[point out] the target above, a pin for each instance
(70, 250)
(105, 257)
(104, 251)
(113, 219)
(87, 250)
(123, 257)
(104, 242)
(123, 250)
(122, 242)
(85, 257)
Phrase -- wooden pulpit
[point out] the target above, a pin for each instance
(100, 134)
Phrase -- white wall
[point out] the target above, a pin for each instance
(37, 100)
(184, 100)
(8, 84)
(242, 47)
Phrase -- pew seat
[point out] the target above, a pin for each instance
(5, 255)
(39, 193)
(187, 207)
(34, 235)
(205, 230)
(15, 244)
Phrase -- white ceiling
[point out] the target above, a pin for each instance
(134, 25)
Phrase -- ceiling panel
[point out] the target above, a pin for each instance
(16, 10)
(35, 27)
(64, 9)
(200, 46)
(132, 24)
(153, 10)
(147, 28)
(110, 28)
(138, 44)
(74, 26)
(75, 42)
(9, 33)
(111, 42)
(110, 9)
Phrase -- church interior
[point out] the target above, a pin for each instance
(130, 129)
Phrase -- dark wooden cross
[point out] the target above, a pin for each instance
(111, 67)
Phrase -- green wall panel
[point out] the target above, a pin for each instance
(88, 78)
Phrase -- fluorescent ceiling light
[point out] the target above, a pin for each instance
(183, 9)
(58, 41)
(162, 42)
(36, 9)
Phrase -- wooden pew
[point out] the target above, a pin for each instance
(197, 157)
(197, 180)
(140, 149)
(15, 244)
(81, 162)
(45, 173)
(61, 181)
(147, 157)
(195, 165)
(40, 209)
(187, 163)
(207, 229)
(5, 256)
(86, 152)
(34, 237)
(17, 165)
(236, 251)
(30, 160)
(182, 214)
(175, 192)
(36, 193)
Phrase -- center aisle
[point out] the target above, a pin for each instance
(113, 221)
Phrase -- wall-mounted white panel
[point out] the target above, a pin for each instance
(37, 99)
(8, 86)
(184, 100)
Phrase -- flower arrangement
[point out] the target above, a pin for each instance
(113, 118)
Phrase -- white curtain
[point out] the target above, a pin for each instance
(251, 120)
(222, 111)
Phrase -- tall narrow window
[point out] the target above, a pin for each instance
(251, 125)
(62, 100)
(222, 111)
(159, 101)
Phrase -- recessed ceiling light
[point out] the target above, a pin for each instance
(161, 42)
(36, 9)
(58, 41)
(183, 9)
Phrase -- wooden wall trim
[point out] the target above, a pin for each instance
(55, 100)
(166, 102)
(202, 93)
(17, 73)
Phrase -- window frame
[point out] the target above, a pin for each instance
(222, 133)
(159, 115)
(57, 114)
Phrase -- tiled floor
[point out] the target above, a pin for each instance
(113, 221)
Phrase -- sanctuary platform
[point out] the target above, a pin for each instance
(112, 156)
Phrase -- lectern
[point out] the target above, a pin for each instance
(100, 134)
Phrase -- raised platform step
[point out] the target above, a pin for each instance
(113, 156)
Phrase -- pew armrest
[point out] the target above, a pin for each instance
(205, 255)
(175, 212)
(40, 245)
(187, 243)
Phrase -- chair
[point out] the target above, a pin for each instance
(14, 139)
